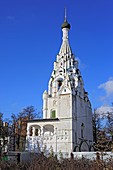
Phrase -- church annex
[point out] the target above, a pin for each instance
(67, 114)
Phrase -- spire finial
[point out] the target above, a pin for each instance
(65, 19)
(65, 24)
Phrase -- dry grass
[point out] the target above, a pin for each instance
(52, 163)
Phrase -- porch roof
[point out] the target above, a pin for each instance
(43, 120)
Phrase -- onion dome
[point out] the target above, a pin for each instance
(66, 24)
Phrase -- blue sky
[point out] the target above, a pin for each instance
(30, 39)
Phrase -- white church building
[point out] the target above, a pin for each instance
(67, 114)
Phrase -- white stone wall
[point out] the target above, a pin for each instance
(59, 140)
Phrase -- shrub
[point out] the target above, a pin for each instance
(40, 162)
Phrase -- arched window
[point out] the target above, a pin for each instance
(53, 114)
(59, 84)
(37, 130)
(59, 81)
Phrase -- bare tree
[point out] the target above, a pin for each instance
(96, 125)
(3, 133)
(19, 126)
(103, 131)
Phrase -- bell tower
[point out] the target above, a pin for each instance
(66, 98)
(67, 114)
(64, 79)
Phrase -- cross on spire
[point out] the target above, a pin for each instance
(65, 12)
(65, 24)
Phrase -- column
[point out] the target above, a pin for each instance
(28, 130)
(33, 131)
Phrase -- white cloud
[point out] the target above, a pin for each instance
(103, 110)
(107, 86)
(108, 91)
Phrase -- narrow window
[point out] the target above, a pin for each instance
(82, 130)
(59, 84)
(75, 137)
(53, 114)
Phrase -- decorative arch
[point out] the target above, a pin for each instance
(48, 129)
(36, 129)
(76, 149)
(83, 146)
(91, 148)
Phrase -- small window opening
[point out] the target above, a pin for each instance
(75, 137)
(82, 130)
(53, 114)
(59, 84)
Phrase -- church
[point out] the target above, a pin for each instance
(66, 125)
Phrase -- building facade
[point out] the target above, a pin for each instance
(67, 114)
